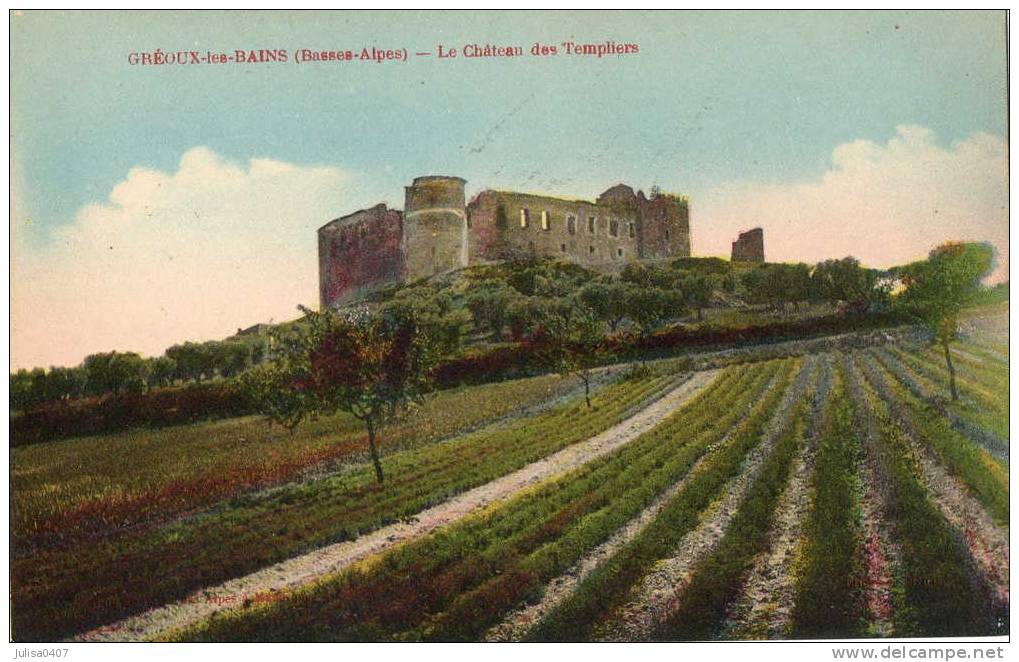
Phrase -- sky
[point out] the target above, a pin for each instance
(156, 204)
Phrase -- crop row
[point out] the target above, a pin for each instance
(609, 586)
(63, 591)
(717, 578)
(983, 398)
(984, 475)
(455, 583)
(829, 600)
(66, 490)
(939, 595)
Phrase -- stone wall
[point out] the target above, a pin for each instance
(438, 232)
(358, 254)
(749, 246)
(504, 224)
(434, 229)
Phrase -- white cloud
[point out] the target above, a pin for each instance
(191, 254)
(884, 204)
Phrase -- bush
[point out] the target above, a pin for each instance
(114, 413)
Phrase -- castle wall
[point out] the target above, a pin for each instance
(438, 232)
(434, 229)
(496, 231)
(749, 246)
(664, 227)
(359, 254)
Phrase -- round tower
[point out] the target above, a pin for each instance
(434, 226)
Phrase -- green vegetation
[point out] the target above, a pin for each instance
(66, 490)
(938, 288)
(978, 469)
(984, 399)
(829, 596)
(456, 583)
(64, 590)
(717, 579)
(610, 584)
(942, 598)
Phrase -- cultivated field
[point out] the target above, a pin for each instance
(823, 492)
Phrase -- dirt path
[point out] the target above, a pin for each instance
(764, 608)
(658, 594)
(277, 580)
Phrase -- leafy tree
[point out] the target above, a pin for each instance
(845, 281)
(161, 371)
(697, 290)
(938, 288)
(777, 284)
(607, 300)
(277, 395)
(488, 304)
(571, 342)
(446, 323)
(526, 314)
(371, 366)
(114, 372)
(648, 307)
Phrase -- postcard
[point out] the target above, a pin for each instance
(516, 326)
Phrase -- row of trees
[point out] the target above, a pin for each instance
(375, 366)
(647, 295)
(128, 372)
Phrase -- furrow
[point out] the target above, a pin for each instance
(657, 596)
(764, 608)
(286, 576)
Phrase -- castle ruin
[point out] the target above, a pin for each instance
(749, 246)
(437, 231)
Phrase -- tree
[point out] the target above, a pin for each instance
(697, 291)
(488, 304)
(274, 391)
(161, 371)
(570, 338)
(114, 372)
(650, 306)
(845, 281)
(938, 288)
(607, 300)
(526, 314)
(371, 366)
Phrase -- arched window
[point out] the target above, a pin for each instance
(613, 228)
(571, 224)
(525, 217)
(546, 220)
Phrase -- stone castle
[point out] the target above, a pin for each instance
(438, 231)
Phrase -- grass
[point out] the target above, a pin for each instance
(829, 602)
(942, 598)
(985, 476)
(610, 585)
(455, 583)
(717, 579)
(62, 591)
(66, 490)
(983, 396)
